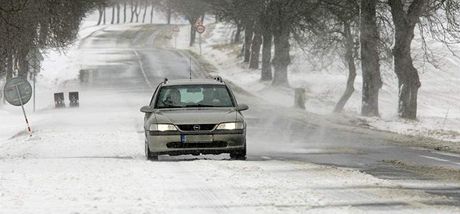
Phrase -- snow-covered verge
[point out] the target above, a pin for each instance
(438, 110)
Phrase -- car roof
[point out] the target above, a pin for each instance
(193, 82)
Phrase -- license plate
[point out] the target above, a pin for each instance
(195, 138)
(183, 138)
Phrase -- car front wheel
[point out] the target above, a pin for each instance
(238, 155)
(148, 154)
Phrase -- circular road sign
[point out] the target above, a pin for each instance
(17, 91)
(200, 28)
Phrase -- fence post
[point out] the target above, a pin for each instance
(299, 98)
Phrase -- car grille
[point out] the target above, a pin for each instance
(215, 144)
(202, 127)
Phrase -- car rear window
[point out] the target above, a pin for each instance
(186, 96)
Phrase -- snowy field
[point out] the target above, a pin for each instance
(90, 159)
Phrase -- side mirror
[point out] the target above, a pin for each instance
(147, 109)
(242, 107)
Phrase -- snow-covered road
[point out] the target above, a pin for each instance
(90, 159)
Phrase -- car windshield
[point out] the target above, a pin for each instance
(185, 96)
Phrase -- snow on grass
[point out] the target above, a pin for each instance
(439, 106)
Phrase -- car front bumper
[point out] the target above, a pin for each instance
(178, 143)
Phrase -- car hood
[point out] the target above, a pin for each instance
(196, 116)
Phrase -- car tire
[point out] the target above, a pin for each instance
(148, 154)
(238, 155)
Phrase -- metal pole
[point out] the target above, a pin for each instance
(200, 43)
(35, 74)
(175, 39)
(24, 111)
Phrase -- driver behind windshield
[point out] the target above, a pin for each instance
(173, 98)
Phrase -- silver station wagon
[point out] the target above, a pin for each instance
(194, 117)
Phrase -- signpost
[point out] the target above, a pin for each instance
(18, 92)
(200, 29)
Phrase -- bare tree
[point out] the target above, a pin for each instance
(370, 62)
(124, 11)
(151, 13)
(118, 13)
(134, 5)
(100, 10)
(113, 15)
(145, 11)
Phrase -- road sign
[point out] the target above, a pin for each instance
(18, 91)
(200, 29)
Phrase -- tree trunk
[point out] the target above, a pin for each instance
(118, 13)
(192, 32)
(133, 10)
(408, 78)
(113, 15)
(104, 17)
(124, 12)
(248, 34)
(266, 74)
(255, 50)
(145, 12)
(168, 16)
(137, 13)
(350, 59)
(100, 9)
(151, 14)
(23, 65)
(44, 33)
(281, 59)
(370, 63)
(237, 38)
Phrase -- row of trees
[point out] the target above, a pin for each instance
(135, 11)
(127, 11)
(30, 25)
(365, 31)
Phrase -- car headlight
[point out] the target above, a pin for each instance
(230, 126)
(162, 127)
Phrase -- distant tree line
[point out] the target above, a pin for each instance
(127, 11)
(29, 25)
(137, 11)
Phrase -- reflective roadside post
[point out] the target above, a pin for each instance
(176, 31)
(18, 92)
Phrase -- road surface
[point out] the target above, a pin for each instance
(90, 159)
